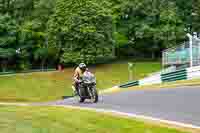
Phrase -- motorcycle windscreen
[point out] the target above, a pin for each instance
(89, 77)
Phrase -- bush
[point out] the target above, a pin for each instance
(24, 65)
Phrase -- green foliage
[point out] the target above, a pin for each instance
(82, 29)
(41, 53)
(76, 31)
(120, 39)
(6, 53)
(24, 65)
(8, 30)
(150, 25)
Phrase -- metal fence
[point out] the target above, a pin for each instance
(196, 51)
(25, 72)
(181, 55)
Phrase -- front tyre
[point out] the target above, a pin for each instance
(81, 95)
(94, 94)
(81, 100)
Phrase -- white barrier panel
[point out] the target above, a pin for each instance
(193, 72)
(193, 69)
(156, 79)
(193, 75)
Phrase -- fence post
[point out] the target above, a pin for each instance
(190, 43)
(130, 69)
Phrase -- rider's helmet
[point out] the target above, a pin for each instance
(82, 66)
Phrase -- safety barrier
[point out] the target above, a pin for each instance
(154, 79)
(173, 76)
(27, 71)
(193, 72)
(184, 74)
(6, 73)
(129, 84)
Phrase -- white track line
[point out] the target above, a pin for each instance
(175, 123)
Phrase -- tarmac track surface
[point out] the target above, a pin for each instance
(180, 104)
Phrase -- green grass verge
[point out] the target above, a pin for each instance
(48, 86)
(62, 120)
(117, 73)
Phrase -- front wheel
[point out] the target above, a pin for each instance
(81, 95)
(81, 100)
(94, 95)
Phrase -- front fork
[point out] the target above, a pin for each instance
(89, 91)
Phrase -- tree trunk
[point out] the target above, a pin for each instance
(4, 6)
(152, 55)
(4, 65)
(113, 51)
(42, 64)
(103, 52)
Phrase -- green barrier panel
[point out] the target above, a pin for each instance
(166, 78)
(173, 76)
(178, 76)
(130, 84)
(175, 72)
(175, 79)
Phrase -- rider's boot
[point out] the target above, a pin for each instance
(75, 93)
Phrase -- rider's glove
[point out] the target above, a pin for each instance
(79, 81)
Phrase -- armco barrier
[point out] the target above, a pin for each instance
(193, 72)
(173, 76)
(129, 84)
(188, 73)
(6, 73)
(155, 79)
(27, 71)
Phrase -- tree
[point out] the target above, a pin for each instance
(148, 26)
(87, 26)
(196, 16)
(68, 31)
(42, 55)
(34, 40)
(8, 30)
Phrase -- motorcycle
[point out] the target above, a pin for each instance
(87, 88)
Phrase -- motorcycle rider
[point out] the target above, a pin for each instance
(79, 71)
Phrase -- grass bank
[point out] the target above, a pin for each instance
(49, 86)
(62, 120)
